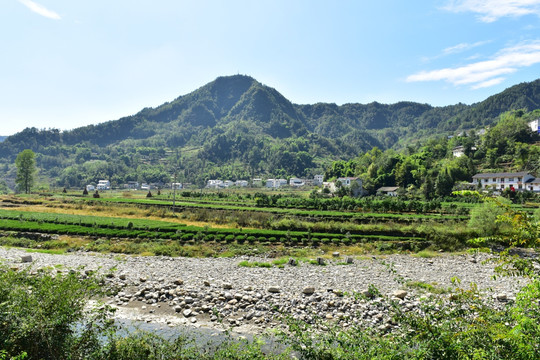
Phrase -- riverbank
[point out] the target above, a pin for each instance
(219, 294)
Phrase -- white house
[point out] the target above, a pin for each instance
(388, 190)
(296, 182)
(275, 183)
(272, 183)
(132, 185)
(533, 185)
(241, 183)
(145, 186)
(256, 182)
(318, 179)
(330, 185)
(458, 151)
(90, 188)
(228, 183)
(501, 181)
(347, 181)
(214, 184)
(104, 185)
(535, 125)
(176, 186)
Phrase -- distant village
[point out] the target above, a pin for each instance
(497, 182)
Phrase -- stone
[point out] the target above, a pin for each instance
(349, 259)
(308, 290)
(501, 297)
(178, 282)
(320, 261)
(26, 258)
(292, 262)
(274, 289)
(187, 312)
(142, 279)
(400, 294)
(122, 277)
(206, 283)
(335, 254)
(227, 286)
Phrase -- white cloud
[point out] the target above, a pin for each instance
(463, 47)
(492, 10)
(40, 9)
(488, 72)
(488, 83)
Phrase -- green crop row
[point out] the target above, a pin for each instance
(192, 233)
(326, 214)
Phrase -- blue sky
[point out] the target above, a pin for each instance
(66, 64)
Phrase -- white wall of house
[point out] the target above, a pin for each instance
(502, 181)
(104, 185)
(535, 125)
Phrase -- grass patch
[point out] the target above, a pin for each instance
(281, 261)
(424, 286)
(47, 251)
(250, 264)
(426, 254)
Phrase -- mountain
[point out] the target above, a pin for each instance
(2, 138)
(235, 126)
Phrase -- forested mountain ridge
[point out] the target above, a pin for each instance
(235, 127)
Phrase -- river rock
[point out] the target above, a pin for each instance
(400, 294)
(309, 290)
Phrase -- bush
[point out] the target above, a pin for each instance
(484, 218)
(42, 322)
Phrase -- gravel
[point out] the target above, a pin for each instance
(216, 292)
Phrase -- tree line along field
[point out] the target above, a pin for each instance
(133, 223)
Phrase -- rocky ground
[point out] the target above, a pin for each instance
(218, 293)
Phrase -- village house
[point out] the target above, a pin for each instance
(241, 183)
(104, 185)
(132, 185)
(501, 181)
(348, 181)
(296, 182)
(214, 184)
(388, 190)
(318, 179)
(535, 125)
(275, 183)
(459, 151)
(176, 186)
(330, 185)
(90, 188)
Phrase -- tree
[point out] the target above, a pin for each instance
(26, 168)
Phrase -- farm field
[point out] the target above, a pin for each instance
(230, 223)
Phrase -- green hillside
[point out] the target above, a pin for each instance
(236, 127)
